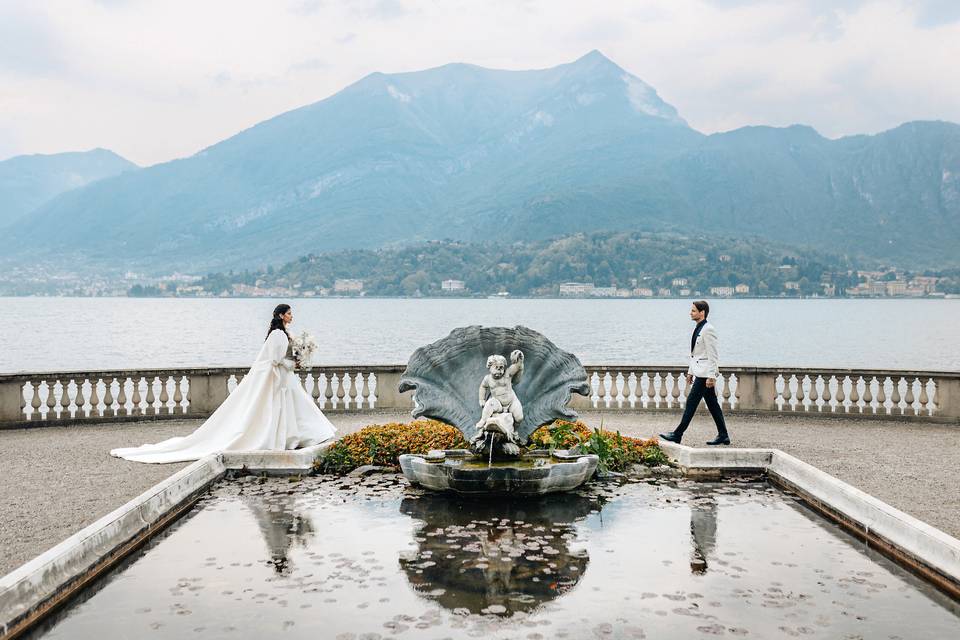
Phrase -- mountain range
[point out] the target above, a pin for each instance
(28, 182)
(468, 153)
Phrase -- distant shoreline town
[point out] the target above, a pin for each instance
(598, 265)
(872, 284)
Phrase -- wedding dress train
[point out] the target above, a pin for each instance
(269, 409)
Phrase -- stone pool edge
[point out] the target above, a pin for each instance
(36, 588)
(919, 547)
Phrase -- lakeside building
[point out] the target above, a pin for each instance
(680, 282)
(576, 289)
(348, 285)
(722, 292)
(452, 285)
(643, 292)
(603, 292)
(742, 289)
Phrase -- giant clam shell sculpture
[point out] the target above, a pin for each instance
(445, 377)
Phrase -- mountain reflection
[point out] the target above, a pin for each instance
(495, 556)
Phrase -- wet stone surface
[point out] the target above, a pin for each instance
(367, 557)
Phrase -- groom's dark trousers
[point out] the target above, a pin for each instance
(700, 391)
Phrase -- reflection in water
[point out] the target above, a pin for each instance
(495, 556)
(281, 526)
(703, 527)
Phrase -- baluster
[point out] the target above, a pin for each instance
(925, 408)
(882, 394)
(629, 384)
(825, 392)
(108, 400)
(801, 392)
(341, 392)
(178, 406)
(315, 391)
(601, 391)
(895, 398)
(164, 406)
(868, 400)
(51, 400)
(35, 401)
(725, 402)
(855, 393)
(136, 399)
(841, 395)
(122, 395)
(663, 391)
(675, 390)
(149, 408)
(365, 400)
(616, 389)
(328, 391)
(651, 390)
(95, 411)
(350, 402)
(935, 400)
(64, 410)
(80, 400)
(788, 392)
(910, 399)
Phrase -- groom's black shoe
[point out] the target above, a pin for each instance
(720, 440)
(670, 436)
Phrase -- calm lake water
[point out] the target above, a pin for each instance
(667, 560)
(50, 334)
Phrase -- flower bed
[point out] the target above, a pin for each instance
(383, 444)
(616, 452)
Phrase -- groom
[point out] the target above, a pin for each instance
(702, 376)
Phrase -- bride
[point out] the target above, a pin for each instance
(269, 409)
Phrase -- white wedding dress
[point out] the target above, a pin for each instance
(269, 409)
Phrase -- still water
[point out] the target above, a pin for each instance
(371, 558)
(63, 334)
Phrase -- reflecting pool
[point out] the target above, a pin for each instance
(367, 558)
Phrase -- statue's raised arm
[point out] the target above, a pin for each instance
(516, 365)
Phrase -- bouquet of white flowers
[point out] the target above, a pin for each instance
(304, 346)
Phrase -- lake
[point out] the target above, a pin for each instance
(62, 334)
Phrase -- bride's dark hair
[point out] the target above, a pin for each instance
(277, 321)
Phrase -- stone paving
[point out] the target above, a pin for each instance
(58, 480)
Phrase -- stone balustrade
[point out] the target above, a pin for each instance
(51, 398)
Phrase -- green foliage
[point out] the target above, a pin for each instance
(382, 445)
(616, 451)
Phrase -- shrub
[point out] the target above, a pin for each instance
(616, 451)
(383, 445)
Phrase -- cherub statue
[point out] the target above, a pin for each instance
(501, 406)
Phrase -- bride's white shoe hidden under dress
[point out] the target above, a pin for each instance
(269, 409)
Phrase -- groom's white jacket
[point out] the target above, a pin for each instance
(705, 358)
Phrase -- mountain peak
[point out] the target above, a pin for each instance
(593, 60)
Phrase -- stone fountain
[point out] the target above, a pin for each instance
(497, 385)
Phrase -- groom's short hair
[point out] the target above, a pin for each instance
(702, 305)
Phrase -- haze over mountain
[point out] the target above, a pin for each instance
(470, 153)
(27, 182)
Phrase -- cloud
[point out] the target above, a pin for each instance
(29, 45)
(936, 13)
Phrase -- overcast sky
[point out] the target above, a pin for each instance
(157, 80)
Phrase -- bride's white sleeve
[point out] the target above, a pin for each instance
(277, 348)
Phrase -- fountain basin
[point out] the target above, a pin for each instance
(536, 473)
